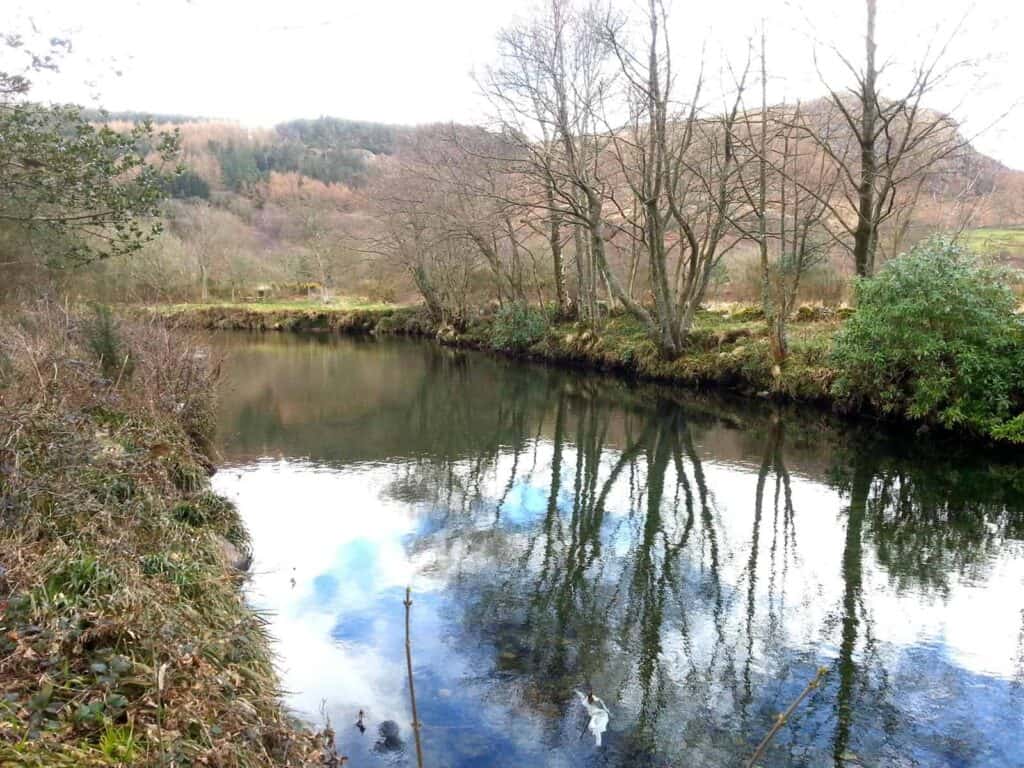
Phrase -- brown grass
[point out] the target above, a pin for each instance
(124, 638)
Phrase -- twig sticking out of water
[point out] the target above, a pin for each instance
(783, 718)
(412, 687)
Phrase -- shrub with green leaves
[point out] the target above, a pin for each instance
(517, 326)
(935, 339)
(103, 336)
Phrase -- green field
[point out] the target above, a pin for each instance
(1005, 243)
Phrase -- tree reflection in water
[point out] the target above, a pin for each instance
(580, 598)
(639, 605)
(693, 560)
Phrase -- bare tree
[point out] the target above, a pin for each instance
(889, 142)
(785, 183)
(411, 235)
(681, 173)
(622, 159)
(324, 244)
(198, 228)
(549, 91)
(473, 197)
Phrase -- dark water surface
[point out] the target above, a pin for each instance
(693, 560)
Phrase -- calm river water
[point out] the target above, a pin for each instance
(694, 561)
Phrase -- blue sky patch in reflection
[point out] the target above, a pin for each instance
(341, 631)
(696, 590)
(525, 505)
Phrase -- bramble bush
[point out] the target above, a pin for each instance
(518, 326)
(935, 338)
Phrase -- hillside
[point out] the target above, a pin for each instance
(292, 208)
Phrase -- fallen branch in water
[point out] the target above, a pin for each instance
(783, 718)
(412, 687)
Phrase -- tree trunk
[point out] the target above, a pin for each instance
(595, 226)
(515, 276)
(555, 242)
(582, 304)
(204, 288)
(429, 293)
(777, 337)
(865, 236)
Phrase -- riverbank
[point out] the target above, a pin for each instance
(729, 348)
(124, 635)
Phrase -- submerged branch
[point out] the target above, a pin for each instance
(412, 687)
(783, 718)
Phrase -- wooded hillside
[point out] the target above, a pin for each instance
(300, 206)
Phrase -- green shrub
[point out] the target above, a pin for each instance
(517, 326)
(103, 337)
(935, 338)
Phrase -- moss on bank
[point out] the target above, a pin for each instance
(724, 351)
(124, 636)
(279, 317)
(726, 348)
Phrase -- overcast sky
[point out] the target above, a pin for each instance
(411, 61)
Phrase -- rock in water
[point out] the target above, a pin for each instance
(390, 739)
(233, 556)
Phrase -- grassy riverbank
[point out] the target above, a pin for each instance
(124, 637)
(926, 373)
(728, 347)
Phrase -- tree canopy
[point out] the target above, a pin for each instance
(73, 191)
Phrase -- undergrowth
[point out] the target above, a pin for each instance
(936, 338)
(517, 326)
(124, 638)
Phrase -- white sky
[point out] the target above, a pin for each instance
(411, 61)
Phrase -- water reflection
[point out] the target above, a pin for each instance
(692, 561)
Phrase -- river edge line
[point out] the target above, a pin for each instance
(729, 351)
(125, 637)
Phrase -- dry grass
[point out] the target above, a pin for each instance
(337, 304)
(124, 638)
(825, 283)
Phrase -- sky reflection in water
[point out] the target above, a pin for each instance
(694, 561)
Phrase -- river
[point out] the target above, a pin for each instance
(693, 560)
